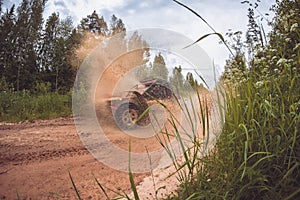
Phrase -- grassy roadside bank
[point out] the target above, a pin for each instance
(20, 106)
(257, 153)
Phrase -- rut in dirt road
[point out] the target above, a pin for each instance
(27, 142)
(25, 158)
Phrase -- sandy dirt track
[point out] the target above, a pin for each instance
(35, 158)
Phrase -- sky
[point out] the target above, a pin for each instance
(222, 15)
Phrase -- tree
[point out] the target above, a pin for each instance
(26, 37)
(142, 72)
(1, 2)
(7, 23)
(23, 51)
(57, 47)
(94, 24)
(48, 47)
(191, 82)
(141, 51)
(117, 43)
(159, 68)
(66, 44)
(31, 55)
(177, 80)
(116, 25)
(135, 41)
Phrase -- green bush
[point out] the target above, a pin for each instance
(19, 106)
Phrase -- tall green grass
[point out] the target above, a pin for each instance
(257, 155)
(19, 106)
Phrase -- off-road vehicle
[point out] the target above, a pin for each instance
(130, 111)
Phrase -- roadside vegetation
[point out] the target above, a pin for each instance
(23, 105)
(257, 155)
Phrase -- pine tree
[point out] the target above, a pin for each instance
(177, 80)
(58, 46)
(141, 51)
(27, 36)
(48, 47)
(1, 2)
(7, 23)
(135, 41)
(116, 25)
(65, 77)
(19, 69)
(94, 24)
(159, 68)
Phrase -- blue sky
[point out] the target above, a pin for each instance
(166, 14)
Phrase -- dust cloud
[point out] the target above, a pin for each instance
(108, 64)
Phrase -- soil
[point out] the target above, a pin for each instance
(36, 158)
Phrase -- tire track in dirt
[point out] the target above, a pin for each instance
(27, 142)
(35, 158)
(38, 156)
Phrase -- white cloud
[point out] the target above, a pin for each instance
(136, 14)
(131, 11)
(144, 5)
(78, 9)
(221, 14)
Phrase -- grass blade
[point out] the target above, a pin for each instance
(101, 187)
(131, 179)
(74, 186)
(205, 36)
(194, 12)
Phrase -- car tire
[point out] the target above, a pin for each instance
(126, 116)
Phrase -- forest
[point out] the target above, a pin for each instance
(40, 58)
(37, 52)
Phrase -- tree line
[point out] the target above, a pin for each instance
(37, 53)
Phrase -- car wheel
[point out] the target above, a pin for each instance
(126, 116)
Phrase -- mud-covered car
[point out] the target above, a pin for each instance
(131, 110)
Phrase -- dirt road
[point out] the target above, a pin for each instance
(35, 158)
